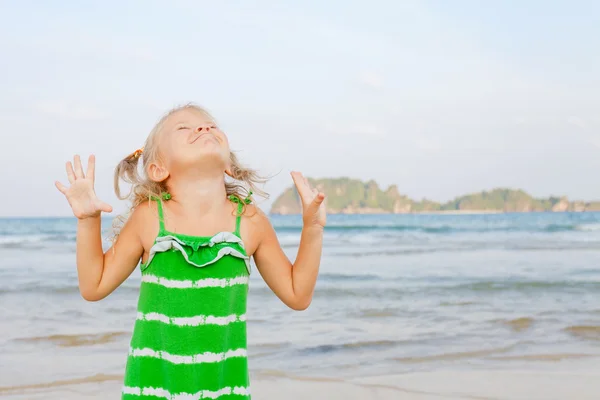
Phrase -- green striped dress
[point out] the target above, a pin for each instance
(189, 340)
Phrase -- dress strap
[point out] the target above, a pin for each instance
(238, 218)
(159, 207)
(240, 209)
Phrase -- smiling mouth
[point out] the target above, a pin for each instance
(202, 135)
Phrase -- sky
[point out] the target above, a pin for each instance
(440, 98)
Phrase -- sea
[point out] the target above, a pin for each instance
(395, 294)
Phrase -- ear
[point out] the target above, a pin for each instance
(157, 172)
(228, 169)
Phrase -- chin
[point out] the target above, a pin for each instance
(213, 158)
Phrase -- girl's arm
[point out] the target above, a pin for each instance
(293, 283)
(99, 274)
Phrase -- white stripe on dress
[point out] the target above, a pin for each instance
(202, 283)
(203, 394)
(194, 359)
(192, 321)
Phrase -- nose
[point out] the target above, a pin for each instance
(201, 128)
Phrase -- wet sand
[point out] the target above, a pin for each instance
(439, 385)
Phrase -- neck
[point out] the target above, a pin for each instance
(204, 193)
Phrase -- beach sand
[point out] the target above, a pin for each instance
(438, 385)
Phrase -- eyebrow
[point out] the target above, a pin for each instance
(187, 122)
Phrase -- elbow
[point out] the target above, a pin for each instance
(90, 295)
(301, 305)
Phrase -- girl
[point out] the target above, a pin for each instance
(194, 229)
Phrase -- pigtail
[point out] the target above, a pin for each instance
(127, 170)
(142, 189)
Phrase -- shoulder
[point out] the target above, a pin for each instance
(144, 218)
(255, 217)
(144, 212)
(255, 227)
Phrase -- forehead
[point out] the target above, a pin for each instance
(187, 115)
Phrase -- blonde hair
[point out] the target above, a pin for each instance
(242, 184)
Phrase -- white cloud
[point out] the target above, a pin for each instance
(371, 130)
(578, 122)
(521, 121)
(594, 140)
(70, 111)
(96, 47)
(587, 128)
(428, 144)
(372, 79)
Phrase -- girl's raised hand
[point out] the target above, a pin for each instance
(81, 195)
(313, 208)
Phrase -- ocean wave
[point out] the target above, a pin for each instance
(448, 229)
(381, 227)
(588, 332)
(558, 228)
(272, 346)
(519, 324)
(69, 235)
(352, 346)
(588, 227)
(76, 340)
(34, 240)
(98, 378)
(332, 285)
(359, 250)
(377, 251)
(455, 356)
(57, 288)
(553, 357)
(329, 276)
(363, 230)
(390, 289)
(525, 285)
(457, 303)
(375, 313)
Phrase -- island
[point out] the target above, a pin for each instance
(353, 196)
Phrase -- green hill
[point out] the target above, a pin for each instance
(352, 196)
(505, 200)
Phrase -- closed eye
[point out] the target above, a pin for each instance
(182, 127)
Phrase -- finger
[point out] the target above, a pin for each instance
(314, 192)
(62, 188)
(70, 172)
(313, 208)
(306, 182)
(300, 184)
(91, 169)
(102, 206)
(78, 168)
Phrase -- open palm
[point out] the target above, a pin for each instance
(81, 195)
(313, 208)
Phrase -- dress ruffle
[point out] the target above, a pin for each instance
(200, 251)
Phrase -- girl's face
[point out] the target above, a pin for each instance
(191, 139)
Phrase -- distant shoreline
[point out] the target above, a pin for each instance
(443, 212)
(353, 196)
(447, 212)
